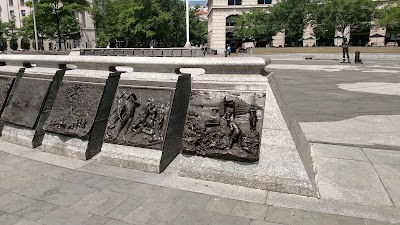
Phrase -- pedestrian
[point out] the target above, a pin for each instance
(345, 47)
(229, 49)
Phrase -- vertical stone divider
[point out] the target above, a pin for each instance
(100, 123)
(46, 108)
(173, 138)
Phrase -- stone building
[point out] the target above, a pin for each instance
(18, 10)
(221, 27)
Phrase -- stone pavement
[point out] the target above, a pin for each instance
(40, 188)
(345, 104)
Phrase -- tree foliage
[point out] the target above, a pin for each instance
(291, 16)
(252, 25)
(342, 15)
(389, 16)
(136, 23)
(55, 19)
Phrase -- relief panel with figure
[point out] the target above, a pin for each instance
(139, 117)
(225, 125)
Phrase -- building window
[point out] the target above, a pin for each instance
(22, 2)
(12, 14)
(11, 2)
(264, 1)
(234, 2)
(23, 13)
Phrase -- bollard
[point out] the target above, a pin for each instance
(226, 53)
(357, 57)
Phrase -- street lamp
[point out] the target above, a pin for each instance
(34, 24)
(187, 45)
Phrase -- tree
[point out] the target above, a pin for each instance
(389, 18)
(292, 16)
(198, 31)
(14, 43)
(252, 25)
(342, 15)
(25, 43)
(58, 15)
(102, 40)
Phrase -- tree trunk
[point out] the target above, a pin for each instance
(59, 32)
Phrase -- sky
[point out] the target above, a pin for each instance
(193, 2)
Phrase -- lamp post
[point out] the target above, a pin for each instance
(34, 24)
(187, 45)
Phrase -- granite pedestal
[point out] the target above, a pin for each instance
(283, 162)
(145, 126)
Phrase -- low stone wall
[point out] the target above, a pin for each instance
(230, 123)
(147, 52)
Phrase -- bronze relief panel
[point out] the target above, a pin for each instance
(139, 117)
(5, 86)
(75, 109)
(224, 124)
(27, 101)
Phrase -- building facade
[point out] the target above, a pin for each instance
(221, 26)
(17, 9)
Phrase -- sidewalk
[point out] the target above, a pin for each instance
(41, 188)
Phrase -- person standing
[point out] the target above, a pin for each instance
(345, 47)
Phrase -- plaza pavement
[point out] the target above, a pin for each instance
(350, 113)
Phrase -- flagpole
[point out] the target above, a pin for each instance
(187, 45)
(34, 25)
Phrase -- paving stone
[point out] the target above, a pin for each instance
(337, 151)
(11, 159)
(64, 216)
(8, 219)
(17, 178)
(37, 187)
(66, 195)
(103, 182)
(11, 202)
(383, 156)
(279, 215)
(5, 168)
(36, 210)
(221, 219)
(91, 201)
(193, 217)
(249, 210)
(27, 222)
(301, 217)
(390, 176)
(221, 205)
(33, 166)
(3, 191)
(374, 222)
(350, 181)
(258, 222)
(125, 208)
(96, 220)
(2, 213)
(330, 219)
(193, 200)
(115, 222)
(157, 192)
(126, 187)
(154, 212)
(113, 200)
